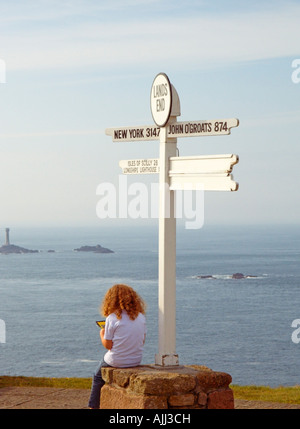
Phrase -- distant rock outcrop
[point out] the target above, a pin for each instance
(206, 277)
(11, 248)
(95, 249)
(238, 276)
(241, 276)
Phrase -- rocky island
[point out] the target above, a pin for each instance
(8, 248)
(95, 249)
(11, 248)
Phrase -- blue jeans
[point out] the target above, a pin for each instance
(97, 384)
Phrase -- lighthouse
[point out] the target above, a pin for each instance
(7, 243)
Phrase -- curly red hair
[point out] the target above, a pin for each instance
(122, 297)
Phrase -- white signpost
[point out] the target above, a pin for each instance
(212, 172)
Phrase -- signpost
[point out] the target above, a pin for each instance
(212, 172)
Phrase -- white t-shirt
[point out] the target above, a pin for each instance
(128, 340)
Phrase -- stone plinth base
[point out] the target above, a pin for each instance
(154, 387)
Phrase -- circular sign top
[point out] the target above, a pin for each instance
(161, 99)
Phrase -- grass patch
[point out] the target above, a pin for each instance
(67, 383)
(286, 395)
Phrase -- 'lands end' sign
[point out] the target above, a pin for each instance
(161, 99)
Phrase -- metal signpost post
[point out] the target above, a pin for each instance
(210, 172)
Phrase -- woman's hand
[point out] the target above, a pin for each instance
(106, 343)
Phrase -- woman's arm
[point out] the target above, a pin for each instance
(106, 343)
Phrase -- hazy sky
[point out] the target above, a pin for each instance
(74, 68)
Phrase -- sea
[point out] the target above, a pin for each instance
(248, 327)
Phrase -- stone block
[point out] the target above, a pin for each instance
(181, 400)
(154, 387)
(202, 398)
(211, 380)
(162, 383)
(122, 378)
(116, 398)
(107, 374)
(220, 399)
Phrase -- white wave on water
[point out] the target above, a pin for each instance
(87, 360)
(60, 362)
(53, 362)
(227, 277)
